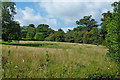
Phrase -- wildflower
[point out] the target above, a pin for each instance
(23, 60)
(16, 66)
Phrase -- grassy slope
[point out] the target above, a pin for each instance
(65, 60)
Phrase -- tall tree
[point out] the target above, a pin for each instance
(88, 22)
(69, 36)
(44, 29)
(91, 37)
(23, 31)
(107, 17)
(58, 36)
(113, 30)
(8, 12)
(39, 36)
(15, 31)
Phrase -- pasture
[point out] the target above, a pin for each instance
(43, 59)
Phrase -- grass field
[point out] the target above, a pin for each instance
(41, 59)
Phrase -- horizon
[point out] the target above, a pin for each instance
(58, 15)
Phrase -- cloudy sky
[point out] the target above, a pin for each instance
(59, 14)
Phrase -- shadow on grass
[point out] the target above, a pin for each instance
(42, 45)
(28, 44)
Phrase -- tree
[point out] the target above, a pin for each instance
(78, 36)
(31, 28)
(78, 33)
(10, 28)
(95, 36)
(39, 36)
(113, 30)
(43, 28)
(60, 36)
(60, 30)
(23, 31)
(28, 31)
(107, 17)
(80, 28)
(88, 22)
(51, 37)
(14, 31)
(92, 37)
(86, 37)
(69, 36)
(56, 36)
(30, 35)
(32, 25)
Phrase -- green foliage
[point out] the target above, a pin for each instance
(51, 37)
(31, 29)
(39, 36)
(107, 17)
(30, 35)
(69, 37)
(31, 25)
(42, 45)
(15, 32)
(58, 36)
(8, 52)
(10, 28)
(78, 36)
(23, 31)
(92, 36)
(80, 28)
(26, 30)
(47, 62)
(43, 28)
(113, 36)
(86, 37)
(88, 22)
(101, 76)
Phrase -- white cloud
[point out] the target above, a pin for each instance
(66, 10)
(66, 28)
(28, 16)
(69, 12)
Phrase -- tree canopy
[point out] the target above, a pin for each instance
(10, 28)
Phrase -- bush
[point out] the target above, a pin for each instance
(101, 76)
(86, 37)
(30, 35)
(39, 36)
(57, 36)
(69, 37)
(51, 37)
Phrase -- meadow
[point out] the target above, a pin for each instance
(44, 59)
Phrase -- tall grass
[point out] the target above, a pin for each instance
(78, 61)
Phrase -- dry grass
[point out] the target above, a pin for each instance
(79, 61)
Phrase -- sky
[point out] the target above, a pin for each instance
(59, 14)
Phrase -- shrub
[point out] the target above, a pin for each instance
(39, 36)
(30, 35)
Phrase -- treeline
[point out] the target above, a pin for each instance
(87, 30)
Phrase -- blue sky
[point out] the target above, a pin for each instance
(59, 14)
